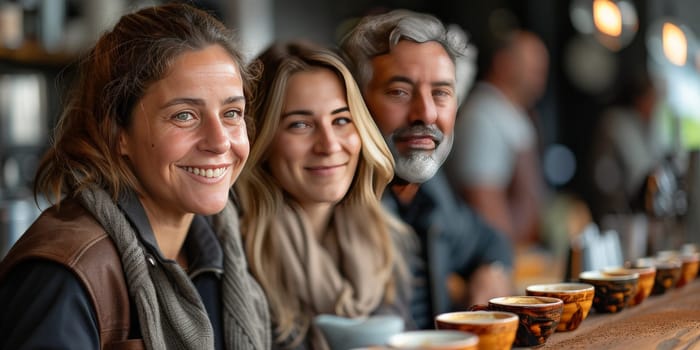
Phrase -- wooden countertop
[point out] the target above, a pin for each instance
(664, 322)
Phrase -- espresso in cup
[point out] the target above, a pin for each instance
(496, 329)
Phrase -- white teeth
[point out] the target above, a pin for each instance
(208, 173)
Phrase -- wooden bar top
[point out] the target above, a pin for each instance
(664, 322)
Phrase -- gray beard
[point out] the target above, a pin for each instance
(420, 166)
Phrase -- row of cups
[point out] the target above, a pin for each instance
(619, 287)
(528, 320)
(524, 321)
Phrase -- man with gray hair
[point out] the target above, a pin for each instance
(406, 65)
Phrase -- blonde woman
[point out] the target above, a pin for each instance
(316, 236)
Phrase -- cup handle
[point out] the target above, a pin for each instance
(479, 307)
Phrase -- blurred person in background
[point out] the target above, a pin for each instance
(142, 248)
(494, 165)
(404, 63)
(626, 149)
(316, 235)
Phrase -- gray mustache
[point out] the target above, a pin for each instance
(419, 130)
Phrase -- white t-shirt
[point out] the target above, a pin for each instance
(489, 133)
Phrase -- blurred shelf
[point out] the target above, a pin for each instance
(33, 54)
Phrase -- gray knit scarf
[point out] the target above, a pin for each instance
(169, 308)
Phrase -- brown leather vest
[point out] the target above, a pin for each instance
(73, 238)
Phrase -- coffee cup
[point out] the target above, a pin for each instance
(612, 291)
(538, 316)
(434, 340)
(668, 271)
(347, 333)
(496, 329)
(647, 275)
(690, 263)
(577, 298)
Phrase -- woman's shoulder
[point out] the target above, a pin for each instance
(65, 234)
(61, 232)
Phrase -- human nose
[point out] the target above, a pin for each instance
(327, 141)
(423, 109)
(215, 136)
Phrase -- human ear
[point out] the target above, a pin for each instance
(123, 143)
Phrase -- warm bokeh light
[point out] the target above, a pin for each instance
(612, 23)
(675, 44)
(607, 17)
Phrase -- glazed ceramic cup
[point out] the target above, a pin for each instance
(690, 263)
(496, 329)
(667, 273)
(538, 316)
(434, 340)
(647, 275)
(612, 291)
(577, 298)
(690, 249)
(345, 333)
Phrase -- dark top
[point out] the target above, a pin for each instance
(421, 308)
(45, 306)
(453, 239)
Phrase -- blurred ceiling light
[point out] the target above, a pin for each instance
(613, 23)
(607, 17)
(581, 17)
(670, 41)
(674, 43)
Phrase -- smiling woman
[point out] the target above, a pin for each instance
(315, 233)
(188, 127)
(315, 151)
(150, 142)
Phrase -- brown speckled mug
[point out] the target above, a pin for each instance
(577, 298)
(647, 277)
(538, 316)
(496, 329)
(612, 291)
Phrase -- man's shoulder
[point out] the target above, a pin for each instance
(439, 190)
(439, 193)
(449, 204)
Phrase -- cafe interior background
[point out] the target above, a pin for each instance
(592, 44)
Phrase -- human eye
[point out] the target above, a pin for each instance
(395, 92)
(233, 115)
(342, 121)
(298, 125)
(443, 95)
(183, 117)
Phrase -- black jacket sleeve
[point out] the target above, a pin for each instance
(45, 306)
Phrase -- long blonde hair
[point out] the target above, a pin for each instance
(262, 198)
